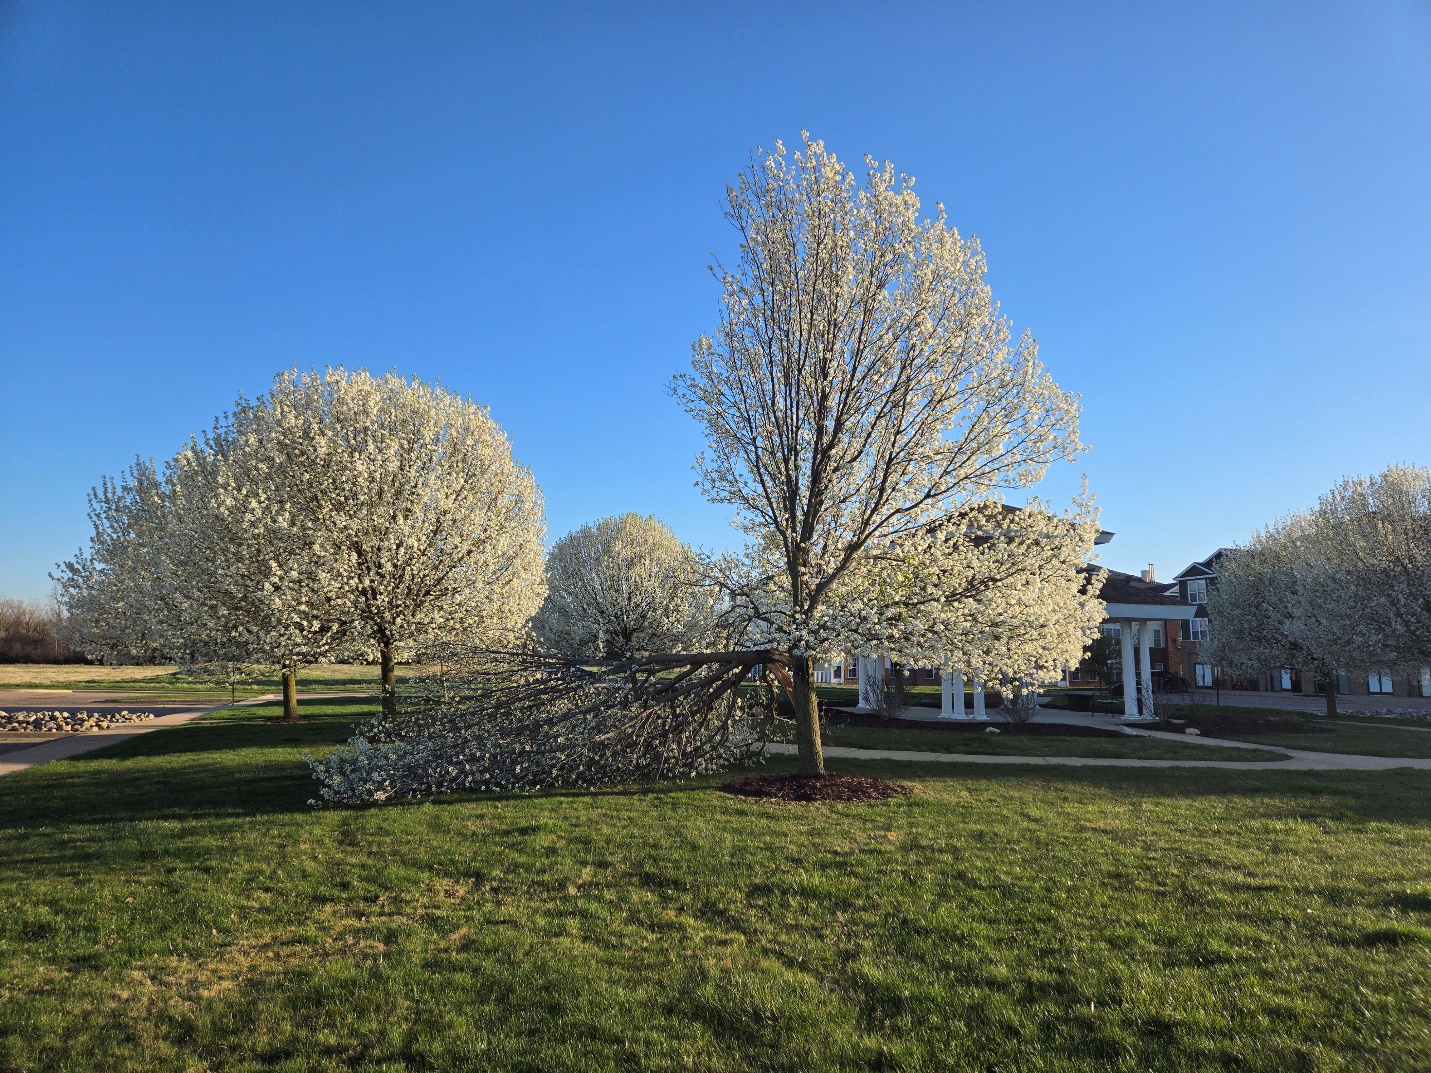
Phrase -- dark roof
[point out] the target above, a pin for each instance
(1121, 588)
(1205, 567)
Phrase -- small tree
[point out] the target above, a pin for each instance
(861, 391)
(621, 587)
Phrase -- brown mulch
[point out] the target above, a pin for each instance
(831, 786)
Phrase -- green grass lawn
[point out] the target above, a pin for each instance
(173, 903)
(1352, 738)
(1015, 745)
(166, 681)
(1321, 735)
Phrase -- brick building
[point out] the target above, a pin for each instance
(1193, 585)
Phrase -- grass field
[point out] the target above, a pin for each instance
(173, 903)
(1361, 736)
(1014, 745)
(131, 681)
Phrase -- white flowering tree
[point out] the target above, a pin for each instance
(399, 511)
(1373, 567)
(118, 600)
(341, 514)
(620, 587)
(1345, 586)
(864, 403)
(1268, 609)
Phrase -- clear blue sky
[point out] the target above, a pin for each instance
(1216, 218)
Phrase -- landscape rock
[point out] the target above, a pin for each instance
(81, 722)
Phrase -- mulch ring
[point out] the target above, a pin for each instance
(831, 786)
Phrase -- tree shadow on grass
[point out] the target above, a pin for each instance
(239, 763)
(1398, 796)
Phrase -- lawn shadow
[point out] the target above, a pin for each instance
(1400, 796)
(230, 764)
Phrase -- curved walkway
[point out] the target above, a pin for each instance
(1297, 759)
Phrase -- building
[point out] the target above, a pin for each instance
(1193, 586)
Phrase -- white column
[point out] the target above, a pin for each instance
(946, 693)
(1145, 672)
(979, 699)
(1130, 680)
(871, 675)
(959, 710)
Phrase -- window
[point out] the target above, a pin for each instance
(1157, 638)
(852, 673)
(1197, 591)
(1197, 629)
(1075, 676)
(1379, 683)
(1202, 675)
(839, 672)
(1157, 666)
(1111, 631)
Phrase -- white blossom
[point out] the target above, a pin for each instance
(623, 586)
(340, 515)
(864, 403)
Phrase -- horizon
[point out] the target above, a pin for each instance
(1213, 220)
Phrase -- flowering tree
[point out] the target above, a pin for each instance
(406, 520)
(340, 514)
(1345, 586)
(1268, 609)
(117, 599)
(864, 402)
(1373, 567)
(621, 587)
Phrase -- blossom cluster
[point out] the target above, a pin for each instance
(339, 516)
(524, 721)
(1345, 586)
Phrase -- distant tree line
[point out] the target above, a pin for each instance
(31, 632)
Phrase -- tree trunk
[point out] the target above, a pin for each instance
(290, 691)
(1330, 689)
(389, 676)
(807, 718)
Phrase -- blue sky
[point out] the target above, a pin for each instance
(1216, 218)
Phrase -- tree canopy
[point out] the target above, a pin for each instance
(864, 403)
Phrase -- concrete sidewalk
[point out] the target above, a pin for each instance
(61, 746)
(1297, 759)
